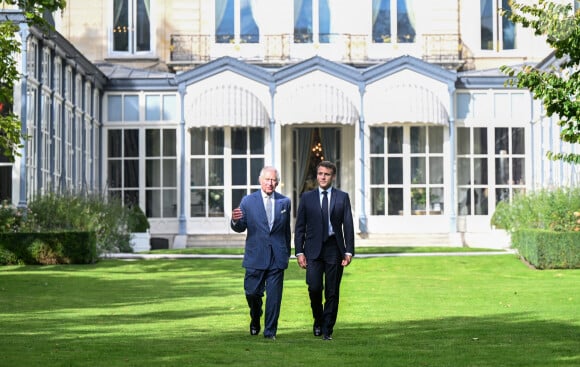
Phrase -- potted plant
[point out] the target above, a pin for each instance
(138, 226)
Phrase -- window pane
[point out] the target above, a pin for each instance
(197, 200)
(152, 108)
(480, 140)
(378, 201)
(169, 143)
(224, 21)
(197, 172)
(395, 139)
(170, 172)
(169, 108)
(377, 140)
(237, 195)
(143, 29)
(131, 173)
(501, 140)
(115, 110)
(303, 21)
(502, 194)
(216, 172)
(115, 143)
(152, 143)
(377, 170)
(436, 199)
(382, 21)
(131, 104)
(418, 170)
(463, 142)
(480, 171)
(480, 200)
(396, 201)
(436, 170)
(418, 198)
(418, 139)
(170, 203)
(463, 171)
(324, 20)
(395, 169)
(153, 203)
(239, 171)
(115, 175)
(131, 143)
(508, 28)
(502, 166)
(216, 203)
(436, 140)
(249, 32)
(256, 165)
(153, 173)
(239, 141)
(257, 141)
(197, 141)
(487, 14)
(131, 197)
(121, 25)
(215, 141)
(405, 19)
(518, 141)
(519, 171)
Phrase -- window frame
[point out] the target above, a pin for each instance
(132, 18)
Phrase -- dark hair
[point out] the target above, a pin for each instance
(327, 164)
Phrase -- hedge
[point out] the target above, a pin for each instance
(546, 249)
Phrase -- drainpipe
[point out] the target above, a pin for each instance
(180, 241)
(24, 32)
(361, 136)
(452, 160)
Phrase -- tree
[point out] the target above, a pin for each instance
(558, 86)
(10, 129)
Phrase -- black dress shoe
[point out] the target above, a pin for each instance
(327, 337)
(254, 329)
(316, 330)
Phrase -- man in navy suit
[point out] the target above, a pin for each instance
(266, 216)
(324, 245)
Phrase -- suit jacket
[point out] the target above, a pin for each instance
(308, 230)
(265, 248)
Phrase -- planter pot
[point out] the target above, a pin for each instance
(140, 241)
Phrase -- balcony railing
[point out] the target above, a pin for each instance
(187, 49)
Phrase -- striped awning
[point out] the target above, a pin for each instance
(225, 105)
(405, 103)
(318, 103)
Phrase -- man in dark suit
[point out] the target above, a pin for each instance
(324, 245)
(266, 216)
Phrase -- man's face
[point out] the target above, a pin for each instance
(268, 181)
(324, 176)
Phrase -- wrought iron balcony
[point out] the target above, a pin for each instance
(189, 49)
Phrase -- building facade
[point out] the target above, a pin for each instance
(176, 105)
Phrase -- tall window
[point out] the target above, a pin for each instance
(407, 181)
(509, 151)
(210, 184)
(131, 26)
(161, 173)
(497, 31)
(123, 165)
(393, 21)
(235, 22)
(312, 22)
(472, 171)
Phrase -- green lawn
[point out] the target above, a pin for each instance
(396, 311)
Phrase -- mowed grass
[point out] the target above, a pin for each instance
(487, 310)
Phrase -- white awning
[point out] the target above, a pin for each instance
(225, 105)
(316, 104)
(405, 103)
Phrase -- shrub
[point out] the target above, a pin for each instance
(11, 218)
(543, 209)
(137, 220)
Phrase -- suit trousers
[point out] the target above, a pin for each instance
(324, 274)
(270, 280)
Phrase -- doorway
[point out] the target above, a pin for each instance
(310, 145)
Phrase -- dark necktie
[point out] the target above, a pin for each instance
(324, 215)
(269, 210)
